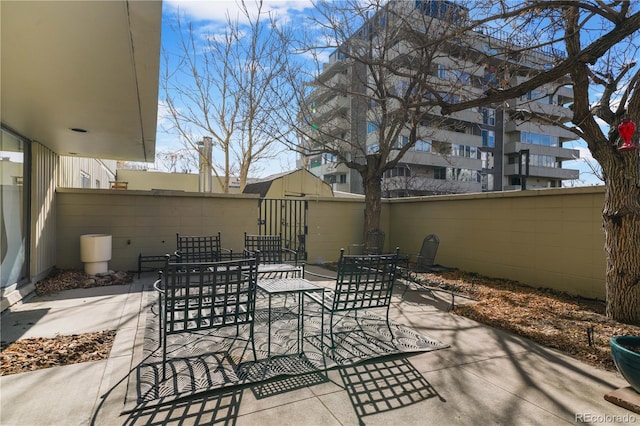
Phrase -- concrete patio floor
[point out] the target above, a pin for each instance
(487, 376)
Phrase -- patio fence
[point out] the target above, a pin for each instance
(545, 238)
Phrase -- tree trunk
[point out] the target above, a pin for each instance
(372, 184)
(227, 170)
(621, 222)
(244, 174)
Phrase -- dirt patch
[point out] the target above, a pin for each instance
(60, 280)
(33, 354)
(36, 353)
(573, 325)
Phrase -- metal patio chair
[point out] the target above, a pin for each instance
(195, 297)
(424, 261)
(274, 260)
(363, 282)
(426, 258)
(201, 248)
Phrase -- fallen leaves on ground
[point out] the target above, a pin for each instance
(67, 279)
(36, 353)
(571, 324)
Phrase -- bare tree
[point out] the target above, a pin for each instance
(602, 58)
(180, 160)
(384, 62)
(382, 112)
(221, 85)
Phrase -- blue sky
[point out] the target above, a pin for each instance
(213, 14)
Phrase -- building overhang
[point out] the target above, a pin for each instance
(84, 65)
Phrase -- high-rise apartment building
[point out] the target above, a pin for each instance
(517, 144)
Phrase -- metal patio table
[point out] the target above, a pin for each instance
(286, 286)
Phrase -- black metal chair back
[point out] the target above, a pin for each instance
(362, 282)
(207, 295)
(268, 249)
(198, 248)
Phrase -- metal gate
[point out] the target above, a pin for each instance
(287, 218)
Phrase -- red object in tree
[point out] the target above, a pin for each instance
(626, 128)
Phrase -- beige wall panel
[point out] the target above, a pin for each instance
(145, 180)
(147, 222)
(549, 238)
(43, 210)
(333, 224)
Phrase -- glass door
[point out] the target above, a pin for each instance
(13, 217)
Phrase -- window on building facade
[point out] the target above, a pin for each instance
(329, 158)
(538, 139)
(487, 182)
(461, 77)
(423, 145)
(539, 161)
(440, 173)
(443, 73)
(402, 141)
(487, 160)
(398, 171)
(450, 97)
(401, 87)
(85, 180)
(462, 175)
(490, 79)
(535, 95)
(442, 148)
(342, 178)
(488, 138)
(489, 116)
(472, 152)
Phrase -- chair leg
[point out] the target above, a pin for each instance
(333, 344)
(253, 342)
(164, 356)
(389, 325)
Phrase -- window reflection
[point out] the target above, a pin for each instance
(12, 226)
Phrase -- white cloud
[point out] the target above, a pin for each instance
(218, 11)
(586, 164)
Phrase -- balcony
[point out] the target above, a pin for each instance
(543, 172)
(555, 112)
(561, 154)
(329, 71)
(334, 107)
(527, 126)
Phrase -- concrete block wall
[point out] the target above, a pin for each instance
(545, 238)
(147, 221)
